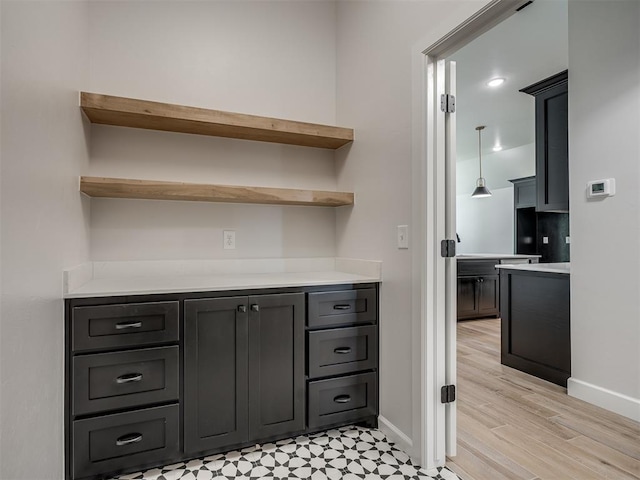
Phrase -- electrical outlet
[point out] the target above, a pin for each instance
(545, 240)
(567, 240)
(403, 236)
(229, 239)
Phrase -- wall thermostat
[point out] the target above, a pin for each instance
(601, 188)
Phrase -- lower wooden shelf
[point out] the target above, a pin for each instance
(160, 190)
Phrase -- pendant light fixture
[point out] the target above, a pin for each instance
(481, 189)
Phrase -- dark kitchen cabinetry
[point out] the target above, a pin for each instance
(245, 355)
(121, 359)
(342, 335)
(478, 289)
(156, 379)
(536, 333)
(552, 142)
(538, 233)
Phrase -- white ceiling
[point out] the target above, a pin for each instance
(527, 47)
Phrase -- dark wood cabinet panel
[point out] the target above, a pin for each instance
(488, 295)
(276, 365)
(116, 380)
(552, 142)
(342, 350)
(327, 309)
(467, 297)
(215, 373)
(116, 442)
(123, 325)
(478, 289)
(536, 324)
(524, 192)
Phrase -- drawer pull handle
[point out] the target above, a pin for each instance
(255, 307)
(129, 377)
(342, 399)
(242, 308)
(342, 350)
(342, 307)
(129, 439)
(123, 326)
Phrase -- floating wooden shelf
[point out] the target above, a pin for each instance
(155, 190)
(129, 112)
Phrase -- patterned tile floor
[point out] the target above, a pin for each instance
(349, 453)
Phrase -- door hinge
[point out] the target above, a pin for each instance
(447, 103)
(448, 394)
(448, 248)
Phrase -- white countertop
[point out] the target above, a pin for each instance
(471, 256)
(562, 268)
(108, 279)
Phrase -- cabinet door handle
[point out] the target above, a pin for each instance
(342, 350)
(129, 378)
(122, 326)
(342, 399)
(128, 439)
(255, 307)
(242, 308)
(342, 307)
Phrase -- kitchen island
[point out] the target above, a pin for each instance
(535, 309)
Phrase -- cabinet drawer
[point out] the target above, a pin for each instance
(342, 350)
(108, 381)
(477, 267)
(343, 399)
(117, 442)
(133, 324)
(343, 307)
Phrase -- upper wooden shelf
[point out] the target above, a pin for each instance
(159, 190)
(130, 112)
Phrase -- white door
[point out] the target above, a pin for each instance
(439, 283)
(451, 292)
(446, 296)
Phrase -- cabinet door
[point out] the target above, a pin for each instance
(552, 148)
(276, 365)
(488, 295)
(215, 373)
(467, 298)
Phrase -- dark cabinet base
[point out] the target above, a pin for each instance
(535, 324)
(159, 379)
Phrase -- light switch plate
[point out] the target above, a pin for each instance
(229, 239)
(545, 240)
(403, 236)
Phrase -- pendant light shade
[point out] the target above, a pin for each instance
(481, 187)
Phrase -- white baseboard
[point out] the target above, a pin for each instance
(394, 434)
(607, 399)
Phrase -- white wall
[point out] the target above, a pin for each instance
(275, 59)
(604, 121)
(485, 225)
(375, 45)
(44, 227)
(497, 168)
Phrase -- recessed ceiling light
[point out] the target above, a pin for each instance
(495, 82)
(497, 147)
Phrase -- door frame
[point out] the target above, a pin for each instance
(431, 358)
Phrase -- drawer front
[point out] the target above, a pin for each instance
(514, 261)
(133, 324)
(343, 399)
(477, 267)
(114, 443)
(342, 350)
(342, 308)
(108, 381)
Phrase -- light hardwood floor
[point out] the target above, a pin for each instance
(515, 426)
